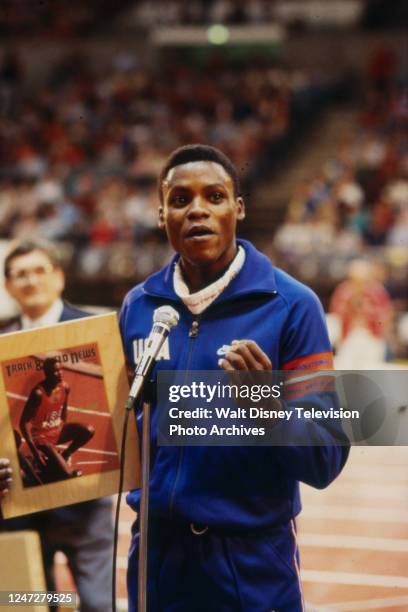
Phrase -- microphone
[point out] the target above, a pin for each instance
(164, 319)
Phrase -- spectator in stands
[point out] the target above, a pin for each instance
(364, 310)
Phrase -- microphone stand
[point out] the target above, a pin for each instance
(144, 511)
(164, 319)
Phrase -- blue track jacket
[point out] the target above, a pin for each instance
(240, 488)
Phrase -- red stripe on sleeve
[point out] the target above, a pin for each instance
(317, 361)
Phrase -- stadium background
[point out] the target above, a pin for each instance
(309, 98)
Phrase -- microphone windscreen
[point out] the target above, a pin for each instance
(166, 315)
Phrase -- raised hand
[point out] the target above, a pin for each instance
(245, 355)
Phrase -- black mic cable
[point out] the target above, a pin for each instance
(164, 319)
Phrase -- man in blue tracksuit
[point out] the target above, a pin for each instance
(222, 535)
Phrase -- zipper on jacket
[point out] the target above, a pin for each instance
(194, 329)
(192, 334)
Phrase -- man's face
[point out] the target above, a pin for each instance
(54, 372)
(200, 213)
(34, 283)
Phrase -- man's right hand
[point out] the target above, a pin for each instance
(5, 477)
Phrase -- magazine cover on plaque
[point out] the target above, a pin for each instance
(63, 390)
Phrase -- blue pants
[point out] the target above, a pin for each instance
(252, 572)
(87, 543)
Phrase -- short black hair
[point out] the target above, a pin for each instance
(199, 152)
(49, 364)
(28, 246)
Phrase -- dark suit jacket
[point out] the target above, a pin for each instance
(68, 314)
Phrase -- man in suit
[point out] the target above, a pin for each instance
(83, 532)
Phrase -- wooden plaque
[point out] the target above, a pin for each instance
(80, 365)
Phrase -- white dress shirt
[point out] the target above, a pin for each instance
(50, 317)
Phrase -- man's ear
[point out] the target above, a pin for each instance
(240, 208)
(160, 221)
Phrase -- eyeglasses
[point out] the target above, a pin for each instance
(22, 276)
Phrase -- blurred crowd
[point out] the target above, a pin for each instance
(80, 158)
(79, 162)
(359, 199)
(353, 216)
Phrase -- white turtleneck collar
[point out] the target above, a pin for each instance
(199, 301)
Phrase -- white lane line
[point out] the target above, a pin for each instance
(362, 490)
(375, 474)
(86, 450)
(350, 502)
(375, 580)
(90, 450)
(367, 604)
(366, 454)
(90, 462)
(87, 411)
(383, 463)
(370, 514)
(70, 408)
(355, 542)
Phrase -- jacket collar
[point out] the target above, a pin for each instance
(256, 276)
